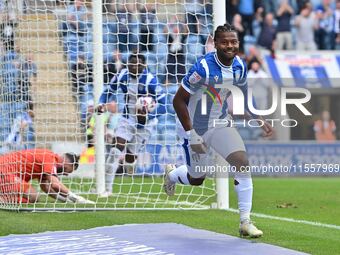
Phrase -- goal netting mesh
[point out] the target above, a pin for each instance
(47, 98)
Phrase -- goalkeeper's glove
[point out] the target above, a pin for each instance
(196, 142)
(78, 199)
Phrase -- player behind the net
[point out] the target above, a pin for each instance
(18, 168)
(143, 102)
(202, 135)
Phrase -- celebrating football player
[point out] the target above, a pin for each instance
(143, 102)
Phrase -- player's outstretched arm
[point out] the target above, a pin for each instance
(53, 187)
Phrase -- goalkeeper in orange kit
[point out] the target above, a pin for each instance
(18, 168)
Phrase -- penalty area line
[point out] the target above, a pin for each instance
(306, 222)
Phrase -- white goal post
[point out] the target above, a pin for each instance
(59, 64)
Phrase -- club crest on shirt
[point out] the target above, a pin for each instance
(216, 78)
(194, 78)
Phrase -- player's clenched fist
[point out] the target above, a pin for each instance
(196, 142)
(78, 199)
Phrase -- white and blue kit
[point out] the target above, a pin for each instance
(145, 84)
(202, 79)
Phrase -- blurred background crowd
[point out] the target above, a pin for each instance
(170, 42)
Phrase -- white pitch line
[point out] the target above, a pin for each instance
(306, 222)
(260, 215)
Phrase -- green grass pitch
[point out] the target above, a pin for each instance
(308, 199)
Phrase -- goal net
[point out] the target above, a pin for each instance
(48, 96)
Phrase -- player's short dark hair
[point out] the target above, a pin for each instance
(137, 55)
(224, 28)
(73, 158)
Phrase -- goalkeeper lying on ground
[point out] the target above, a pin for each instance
(18, 168)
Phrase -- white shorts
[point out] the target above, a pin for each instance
(136, 137)
(220, 140)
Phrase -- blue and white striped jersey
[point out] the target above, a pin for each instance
(202, 79)
(132, 89)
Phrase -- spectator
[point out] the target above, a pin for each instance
(231, 10)
(193, 9)
(268, 33)
(237, 23)
(306, 24)
(2, 49)
(10, 63)
(337, 25)
(271, 5)
(81, 74)
(111, 68)
(247, 9)
(27, 70)
(325, 128)
(259, 82)
(301, 4)
(9, 22)
(22, 135)
(148, 21)
(176, 58)
(124, 17)
(283, 31)
(77, 16)
(258, 21)
(324, 34)
(253, 56)
(108, 6)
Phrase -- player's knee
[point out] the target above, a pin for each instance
(238, 159)
(243, 162)
(195, 181)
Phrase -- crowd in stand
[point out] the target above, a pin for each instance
(170, 43)
(16, 73)
(167, 45)
(287, 24)
(171, 46)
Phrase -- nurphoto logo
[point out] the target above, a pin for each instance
(282, 96)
